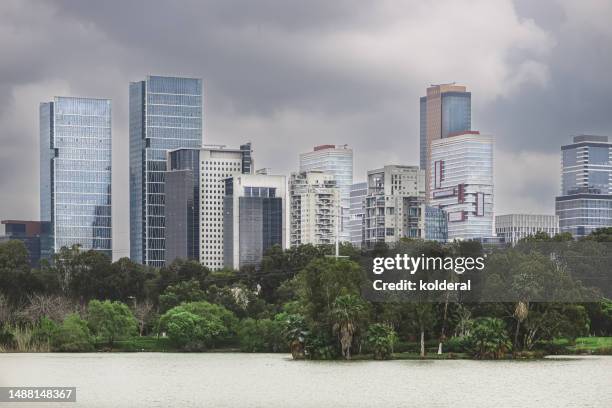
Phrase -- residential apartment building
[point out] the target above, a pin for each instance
(385, 205)
(338, 161)
(356, 213)
(165, 114)
(462, 183)
(585, 203)
(75, 174)
(514, 227)
(254, 218)
(314, 208)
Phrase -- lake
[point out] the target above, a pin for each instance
(274, 380)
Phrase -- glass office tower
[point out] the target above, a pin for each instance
(444, 111)
(585, 203)
(165, 114)
(75, 174)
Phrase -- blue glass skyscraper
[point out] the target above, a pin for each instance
(585, 203)
(165, 114)
(75, 174)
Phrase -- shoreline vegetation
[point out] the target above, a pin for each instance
(306, 304)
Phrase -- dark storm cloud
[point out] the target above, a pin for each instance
(290, 74)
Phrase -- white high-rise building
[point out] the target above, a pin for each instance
(357, 212)
(338, 161)
(462, 183)
(514, 227)
(217, 164)
(388, 190)
(314, 203)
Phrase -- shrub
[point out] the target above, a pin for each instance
(262, 335)
(72, 335)
(380, 339)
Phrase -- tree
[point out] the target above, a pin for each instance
(489, 339)
(17, 280)
(143, 311)
(110, 320)
(346, 312)
(264, 335)
(380, 339)
(198, 325)
(295, 332)
(181, 292)
(72, 335)
(54, 307)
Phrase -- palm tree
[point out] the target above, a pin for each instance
(346, 311)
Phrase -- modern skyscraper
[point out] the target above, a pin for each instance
(338, 161)
(384, 205)
(165, 114)
(314, 208)
(183, 205)
(462, 183)
(514, 227)
(254, 218)
(585, 203)
(217, 164)
(75, 173)
(445, 110)
(357, 212)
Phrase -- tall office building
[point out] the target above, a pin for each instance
(165, 114)
(514, 227)
(75, 174)
(183, 205)
(254, 218)
(446, 109)
(585, 203)
(338, 161)
(314, 208)
(462, 183)
(384, 219)
(357, 213)
(217, 164)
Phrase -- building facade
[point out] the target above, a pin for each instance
(75, 174)
(356, 212)
(338, 161)
(314, 208)
(444, 110)
(28, 232)
(384, 219)
(514, 227)
(254, 218)
(585, 203)
(217, 164)
(462, 183)
(165, 114)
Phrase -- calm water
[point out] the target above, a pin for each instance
(274, 380)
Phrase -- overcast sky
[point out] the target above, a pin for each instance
(288, 75)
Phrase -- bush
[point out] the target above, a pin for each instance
(111, 320)
(380, 339)
(457, 345)
(72, 335)
(262, 335)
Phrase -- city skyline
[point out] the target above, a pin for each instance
(527, 89)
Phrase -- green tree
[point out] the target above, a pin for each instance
(198, 325)
(111, 321)
(296, 332)
(17, 281)
(346, 312)
(264, 335)
(175, 294)
(380, 339)
(489, 339)
(72, 335)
